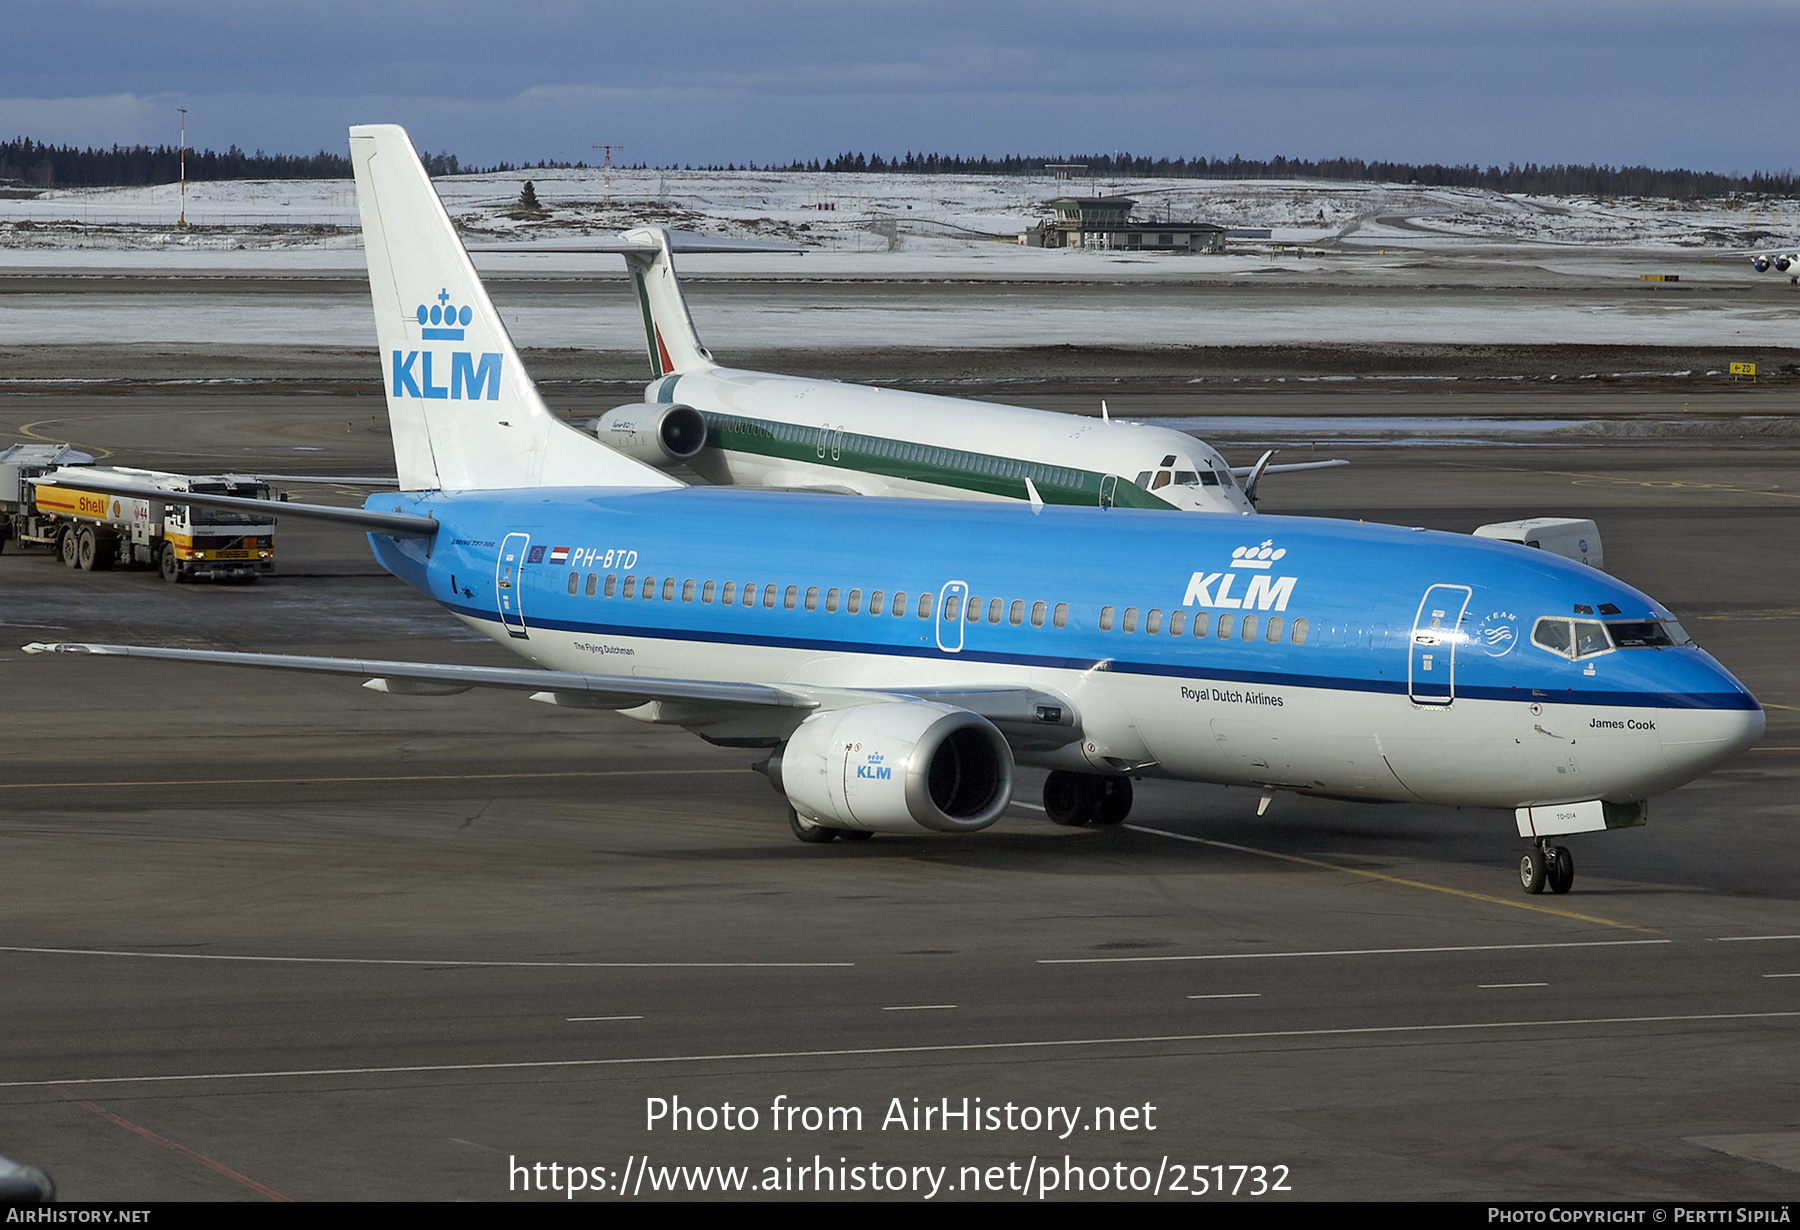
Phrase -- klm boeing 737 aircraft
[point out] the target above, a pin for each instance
(894, 660)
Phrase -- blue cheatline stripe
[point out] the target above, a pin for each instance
(1330, 683)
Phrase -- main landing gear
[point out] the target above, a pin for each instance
(1086, 798)
(1545, 864)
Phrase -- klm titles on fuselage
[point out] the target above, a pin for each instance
(469, 380)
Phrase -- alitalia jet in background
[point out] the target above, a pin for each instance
(743, 428)
(894, 660)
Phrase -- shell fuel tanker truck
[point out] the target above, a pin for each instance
(95, 531)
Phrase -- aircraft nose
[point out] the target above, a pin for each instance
(1697, 741)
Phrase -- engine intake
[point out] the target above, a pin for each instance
(662, 436)
(896, 768)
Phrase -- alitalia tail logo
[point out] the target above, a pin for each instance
(1264, 592)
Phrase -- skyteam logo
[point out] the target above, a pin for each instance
(1497, 633)
(1263, 593)
(472, 378)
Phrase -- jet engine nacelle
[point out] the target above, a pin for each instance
(1782, 263)
(896, 768)
(1760, 263)
(662, 436)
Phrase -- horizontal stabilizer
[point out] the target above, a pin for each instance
(679, 241)
(393, 524)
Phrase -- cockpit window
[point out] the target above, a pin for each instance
(1571, 638)
(1648, 634)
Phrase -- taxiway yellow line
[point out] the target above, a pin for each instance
(1376, 875)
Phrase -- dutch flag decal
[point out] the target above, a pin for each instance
(559, 555)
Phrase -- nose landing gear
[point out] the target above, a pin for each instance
(1547, 865)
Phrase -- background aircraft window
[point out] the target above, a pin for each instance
(1143, 480)
(898, 606)
(875, 603)
(994, 608)
(687, 590)
(1168, 461)
(574, 581)
(925, 604)
(1153, 623)
(1249, 632)
(668, 589)
(1299, 634)
(1225, 626)
(612, 584)
(812, 598)
(854, 605)
(1201, 619)
(593, 583)
(1552, 634)
(1062, 615)
(730, 593)
(1590, 639)
(1176, 620)
(1161, 480)
(1106, 619)
(630, 587)
(974, 609)
(791, 599)
(707, 591)
(769, 596)
(1208, 479)
(1016, 615)
(952, 606)
(1273, 633)
(831, 600)
(1187, 478)
(1130, 621)
(1037, 614)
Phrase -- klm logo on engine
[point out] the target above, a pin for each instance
(470, 379)
(1261, 593)
(874, 770)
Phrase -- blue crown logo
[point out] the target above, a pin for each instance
(443, 320)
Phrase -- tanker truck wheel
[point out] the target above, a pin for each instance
(169, 565)
(68, 547)
(92, 551)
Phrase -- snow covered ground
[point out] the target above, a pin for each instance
(856, 212)
(1443, 247)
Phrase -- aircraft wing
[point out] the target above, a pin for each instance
(1289, 467)
(395, 524)
(1024, 715)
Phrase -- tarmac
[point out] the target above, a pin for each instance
(269, 937)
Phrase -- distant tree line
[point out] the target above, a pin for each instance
(1557, 179)
(64, 166)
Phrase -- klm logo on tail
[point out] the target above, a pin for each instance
(470, 379)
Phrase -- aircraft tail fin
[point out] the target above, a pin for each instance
(669, 333)
(465, 414)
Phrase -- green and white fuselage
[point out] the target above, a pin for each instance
(782, 431)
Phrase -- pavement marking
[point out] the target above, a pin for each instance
(1745, 939)
(919, 1008)
(1375, 875)
(1781, 975)
(212, 956)
(1506, 986)
(603, 1018)
(1231, 995)
(1022, 803)
(418, 777)
(186, 1152)
(1341, 952)
(943, 1048)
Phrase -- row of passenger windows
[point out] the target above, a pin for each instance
(974, 610)
(1176, 625)
(768, 596)
(828, 441)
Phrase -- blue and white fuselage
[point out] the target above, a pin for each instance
(1349, 660)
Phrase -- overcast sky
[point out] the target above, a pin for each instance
(1705, 86)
